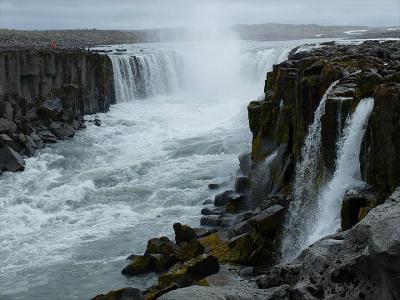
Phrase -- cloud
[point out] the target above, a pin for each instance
(141, 14)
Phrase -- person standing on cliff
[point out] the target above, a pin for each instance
(53, 45)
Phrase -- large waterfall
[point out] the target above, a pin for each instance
(207, 68)
(315, 208)
(141, 74)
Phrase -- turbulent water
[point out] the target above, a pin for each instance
(69, 221)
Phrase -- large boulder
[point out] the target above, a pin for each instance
(50, 109)
(269, 220)
(11, 160)
(162, 245)
(183, 233)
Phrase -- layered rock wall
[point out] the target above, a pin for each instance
(45, 93)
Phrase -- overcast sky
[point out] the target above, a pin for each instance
(141, 14)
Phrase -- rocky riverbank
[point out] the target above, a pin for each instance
(245, 225)
(44, 95)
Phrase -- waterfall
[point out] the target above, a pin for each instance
(347, 174)
(315, 208)
(141, 75)
(306, 186)
(261, 178)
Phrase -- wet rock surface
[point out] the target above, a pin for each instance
(360, 263)
(45, 93)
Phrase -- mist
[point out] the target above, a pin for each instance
(138, 14)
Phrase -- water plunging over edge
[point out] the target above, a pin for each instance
(306, 186)
(347, 174)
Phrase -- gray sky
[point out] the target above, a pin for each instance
(140, 14)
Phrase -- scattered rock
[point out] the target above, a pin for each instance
(183, 233)
(61, 130)
(7, 126)
(223, 198)
(127, 293)
(139, 264)
(50, 109)
(11, 161)
(208, 202)
(213, 186)
(189, 250)
(210, 221)
(161, 245)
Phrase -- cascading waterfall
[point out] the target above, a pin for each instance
(315, 210)
(347, 174)
(308, 173)
(260, 178)
(142, 75)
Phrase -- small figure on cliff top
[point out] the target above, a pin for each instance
(53, 45)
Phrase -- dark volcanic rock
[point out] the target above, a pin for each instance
(127, 293)
(7, 126)
(11, 160)
(223, 198)
(50, 109)
(61, 130)
(183, 233)
(361, 263)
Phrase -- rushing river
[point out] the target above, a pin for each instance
(82, 206)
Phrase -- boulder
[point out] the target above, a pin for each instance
(207, 212)
(139, 264)
(190, 271)
(162, 245)
(160, 263)
(7, 126)
(190, 249)
(355, 205)
(214, 186)
(241, 184)
(268, 221)
(11, 161)
(47, 137)
(127, 293)
(50, 109)
(223, 198)
(208, 202)
(6, 141)
(236, 204)
(210, 220)
(183, 233)
(61, 130)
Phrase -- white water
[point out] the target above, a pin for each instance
(303, 208)
(347, 174)
(68, 222)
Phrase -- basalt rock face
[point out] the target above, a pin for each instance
(361, 263)
(293, 91)
(45, 93)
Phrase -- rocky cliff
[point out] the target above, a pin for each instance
(293, 91)
(44, 95)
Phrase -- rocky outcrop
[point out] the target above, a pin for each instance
(361, 263)
(45, 93)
